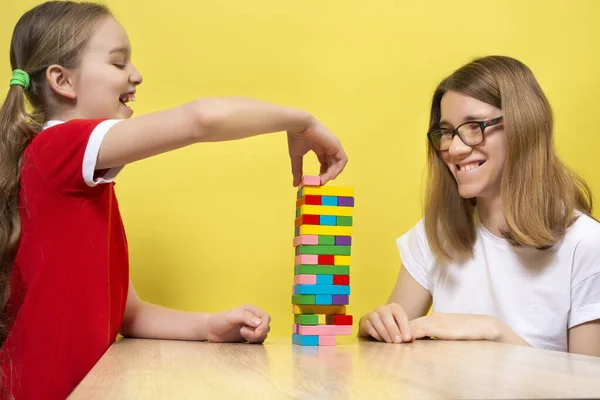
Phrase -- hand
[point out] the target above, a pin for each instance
(386, 323)
(325, 145)
(240, 324)
(447, 326)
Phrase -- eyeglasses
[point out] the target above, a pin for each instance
(471, 134)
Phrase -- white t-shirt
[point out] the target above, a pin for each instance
(540, 294)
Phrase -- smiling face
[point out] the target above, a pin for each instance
(106, 80)
(477, 169)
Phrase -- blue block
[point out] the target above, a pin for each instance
(324, 299)
(329, 201)
(329, 220)
(305, 340)
(300, 192)
(324, 279)
(322, 289)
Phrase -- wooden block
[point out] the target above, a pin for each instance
(329, 201)
(304, 340)
(337, 319)
(329, 220)
(308, 239)
(343, 221)
(321, 289)
(307, 319)
(294, 328)
(341, 241)
(323, 230)
(325, 240)
(308, 219)
(310, 180)
(303, 299)
(313, 309)
(322, 319)
(341, 260)
(338, 299)
(337, 279)
(329, 191)
(311, 200)
(345, 201)
(326, 259)
(307, 259)
(325, 299)
(326, 210)
(324, 279)
(326, 340)
(306, 279)
(300, 192)
(325, 330)
(325, 250)
(322, 269)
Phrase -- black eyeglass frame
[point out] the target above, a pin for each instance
(454, 132)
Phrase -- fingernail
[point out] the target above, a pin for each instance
(407, 338)
(397, 339)
(256, 321)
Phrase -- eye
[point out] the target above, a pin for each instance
(120, 66)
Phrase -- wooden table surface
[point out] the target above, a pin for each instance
(425, 369)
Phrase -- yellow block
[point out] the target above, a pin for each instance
(313, 309)
(322, 319)
(326, 210)
(328, 191)
(341, 260)
(325, 230)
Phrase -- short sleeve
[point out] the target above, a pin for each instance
(415, 254)
(66, 155)
(585, 282)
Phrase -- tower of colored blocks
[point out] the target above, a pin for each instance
(322, 242)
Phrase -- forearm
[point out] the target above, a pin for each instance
(230, 118)
(502, 333)
(156, 322)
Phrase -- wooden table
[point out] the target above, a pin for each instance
(431, 369)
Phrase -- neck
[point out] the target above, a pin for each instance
(491, 215)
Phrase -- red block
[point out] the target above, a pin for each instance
(326, 260)
(341, 280)
(338, 319)
(312, 200)
(307, 220)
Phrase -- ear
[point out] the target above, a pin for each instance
(60, 79)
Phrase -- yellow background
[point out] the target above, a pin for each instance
(210, 227)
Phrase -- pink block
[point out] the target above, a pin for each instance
(326, 340)
(295, 328)
(310, 259)
(325, 330)
(309, 180)
(305, 279)
(306, 239)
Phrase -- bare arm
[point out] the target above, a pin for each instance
(146, 320)
(585, 339)
(221, 119)
(414, 299)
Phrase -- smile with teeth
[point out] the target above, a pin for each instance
(126, 98)
(470, 166)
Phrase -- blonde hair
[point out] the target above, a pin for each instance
(52, 33)
(539, 193)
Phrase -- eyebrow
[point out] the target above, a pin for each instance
(123, 50)
(475, 117)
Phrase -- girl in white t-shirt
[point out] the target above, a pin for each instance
(507, 250)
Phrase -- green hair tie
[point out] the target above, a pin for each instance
(20, 78)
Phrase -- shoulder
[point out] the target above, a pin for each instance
(584, 231)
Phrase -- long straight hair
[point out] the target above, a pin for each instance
(539, 193)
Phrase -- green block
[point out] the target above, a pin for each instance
(297, 213)
(306, 319)
(303, 299)
(326, 240)
(344, 221)
(325, 250)
(322, 270)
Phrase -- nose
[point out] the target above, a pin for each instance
(458, 150)
(135, 77)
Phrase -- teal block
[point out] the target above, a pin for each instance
(329, 220)
(305, 340)
(324, 279)
(329, 201)
(324, 299)
(322, 289)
